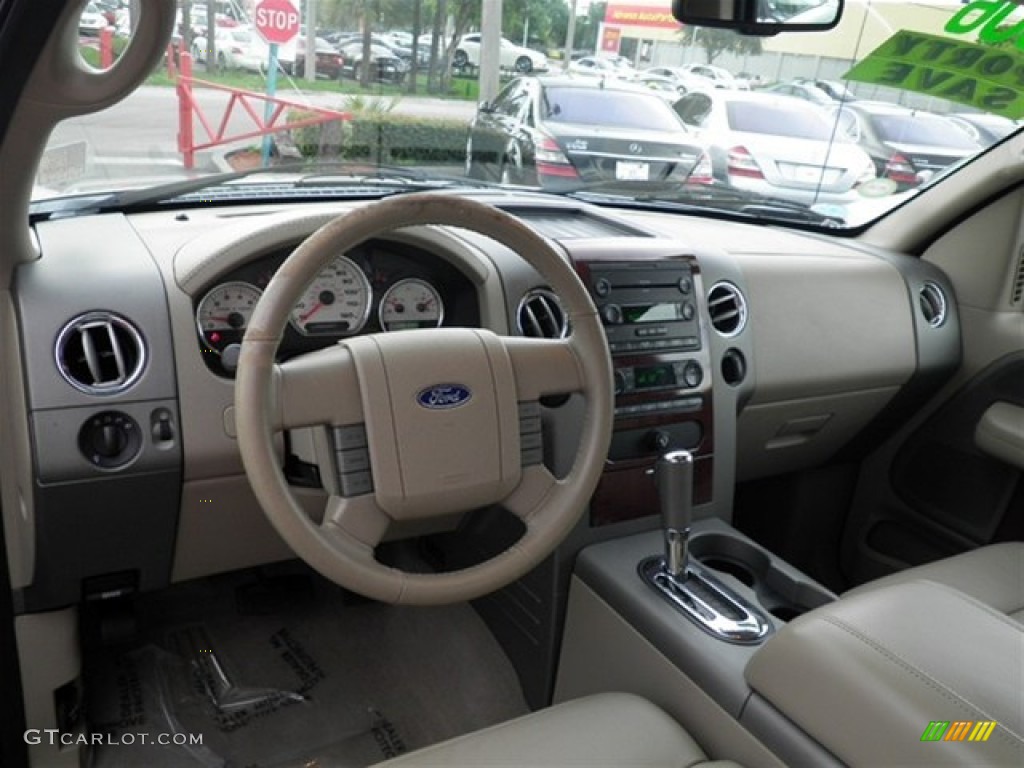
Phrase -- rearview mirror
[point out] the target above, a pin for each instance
(760, 17)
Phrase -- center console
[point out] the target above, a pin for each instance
(662, 368)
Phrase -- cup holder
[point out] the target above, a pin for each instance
(780, 593)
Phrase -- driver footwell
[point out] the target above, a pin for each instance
(278, 668)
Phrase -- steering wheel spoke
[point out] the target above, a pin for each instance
(544, 367)
(358, 518)
(317, 388)
(534, 487)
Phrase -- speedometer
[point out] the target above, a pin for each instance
(336, 302)
(224, 312)
(411, 303)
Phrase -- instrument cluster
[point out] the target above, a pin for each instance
(377, 287)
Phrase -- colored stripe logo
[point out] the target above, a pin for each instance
(959, 730)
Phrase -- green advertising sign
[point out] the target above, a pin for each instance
(989, 79)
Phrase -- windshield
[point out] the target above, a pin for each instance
(890, 79)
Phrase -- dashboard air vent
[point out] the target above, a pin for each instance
(100, 353)
(933, 304)
(727, 308)
(1017, 289)
(541, 315)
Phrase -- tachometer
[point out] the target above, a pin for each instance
(411, 303)
(224, 312)
(336, 302)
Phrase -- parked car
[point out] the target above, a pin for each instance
(237, 48)
(805, 91)
(92, 20)
(984, 128)
(598, 66)
(511, 56)
(386, 67)
(667, 88)
(904, 143)
(564, 131)
(330, 62)
(403, 52)
(717, 76)
(682, 76)
(836, 89)
(776, 145)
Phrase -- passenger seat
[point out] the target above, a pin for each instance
(993, 575)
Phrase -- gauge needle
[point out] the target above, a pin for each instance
(316, 308)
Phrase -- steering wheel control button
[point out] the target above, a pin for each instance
(110, 440)
(531, 439)
(356, 484)
(354, 460)
(351, 436)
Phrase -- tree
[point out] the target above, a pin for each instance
(715, 41)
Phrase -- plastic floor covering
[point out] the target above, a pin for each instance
(287, 671)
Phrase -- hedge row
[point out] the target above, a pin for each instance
(384, 138)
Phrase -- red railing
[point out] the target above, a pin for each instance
(273, 120)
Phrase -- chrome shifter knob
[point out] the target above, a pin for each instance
(673, 474)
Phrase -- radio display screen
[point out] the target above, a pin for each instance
(653, 376)
(652, 313)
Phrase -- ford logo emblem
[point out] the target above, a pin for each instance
(443, 396)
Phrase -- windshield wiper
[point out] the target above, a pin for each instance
(702, 198)
(329, 179)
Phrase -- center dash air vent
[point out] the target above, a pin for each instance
(100, 353)
(727, 308)
(933, 304)
(541, 315)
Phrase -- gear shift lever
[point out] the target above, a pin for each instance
(674, 475)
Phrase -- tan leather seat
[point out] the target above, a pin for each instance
(993, 575)
(607, 729)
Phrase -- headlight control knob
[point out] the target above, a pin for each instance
(110, 439)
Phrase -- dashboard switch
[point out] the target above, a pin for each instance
(110, 439)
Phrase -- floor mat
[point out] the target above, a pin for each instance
(289, 671)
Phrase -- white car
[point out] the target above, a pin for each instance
(515, 57)
(237, 48)
(92, 20)
(600, 66)
(778, 146)
(718, 77)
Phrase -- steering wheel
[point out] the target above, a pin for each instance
(445, 417)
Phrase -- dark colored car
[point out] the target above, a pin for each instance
(329, 62)
(905, 144)
(562, 132)
(386, 67)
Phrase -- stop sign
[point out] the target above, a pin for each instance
(277, 21)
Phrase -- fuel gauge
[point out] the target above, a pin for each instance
(224, 312)
(411, 303)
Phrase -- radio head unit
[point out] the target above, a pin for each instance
(646, 308)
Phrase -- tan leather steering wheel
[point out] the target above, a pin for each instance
(443, 412)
